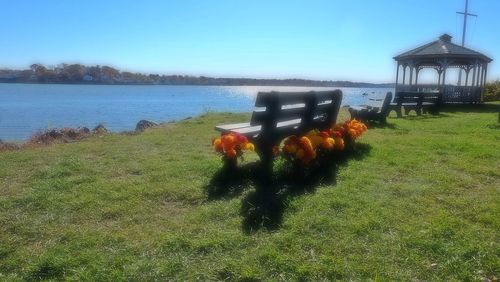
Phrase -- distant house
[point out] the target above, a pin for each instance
(87, 78)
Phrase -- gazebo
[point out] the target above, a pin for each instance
(442, 55)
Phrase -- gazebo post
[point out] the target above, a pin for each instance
(397, 77)
(417, 70)
(467, 75)
(473, 82)
(404, 73)
(484, 84)
(481, 84)
(482, 76)
(485, 74)
(439, 71)
(474, 75)
(445, 66)
(479, 70)
(479, 73)
(477, 88)
(411, 75)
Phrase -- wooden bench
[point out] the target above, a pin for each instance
(281, 114)
(375, 109)
(420, 102)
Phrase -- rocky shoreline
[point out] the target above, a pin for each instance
(67, 135)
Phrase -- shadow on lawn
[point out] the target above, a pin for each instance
(376, 124)
(228, 182)
(494, 126)
(446, 110)
(425, 116)
(263, 207)
(472, 108)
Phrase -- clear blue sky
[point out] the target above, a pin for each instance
(317, 39)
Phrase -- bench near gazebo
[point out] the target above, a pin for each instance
(442, 55)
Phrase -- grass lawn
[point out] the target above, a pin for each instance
(420, 201)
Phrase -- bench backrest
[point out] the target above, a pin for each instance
(314, 109)
(417, 97)
(380, 102)
(433, 97)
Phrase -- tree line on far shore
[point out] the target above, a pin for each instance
(81, 74)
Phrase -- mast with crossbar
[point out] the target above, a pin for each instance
(466, 15)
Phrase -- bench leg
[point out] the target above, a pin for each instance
(383, 119)
(353, 113)
(399, 114)
(434, 110)
(267, 165)
(265, 173)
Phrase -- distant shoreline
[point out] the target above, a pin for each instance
(342, 85)
(106, 75)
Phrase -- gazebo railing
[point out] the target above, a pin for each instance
(450, 93)
(462, 94)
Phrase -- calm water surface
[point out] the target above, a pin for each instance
(28, 108)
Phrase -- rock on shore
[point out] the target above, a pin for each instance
(144, 124)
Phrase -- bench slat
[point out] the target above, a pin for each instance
(359, 108)
(294, 98)
(229, 127)
(325, 106)
(292, 113)
(248, 131)
(254, 130)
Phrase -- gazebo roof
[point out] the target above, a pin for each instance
(442, 48)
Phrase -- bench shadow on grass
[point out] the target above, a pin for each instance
(412, 115)
(378, 124)
(472, 108)
(228, 183)
(264, 206)
(446, 110)
(427, 116)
